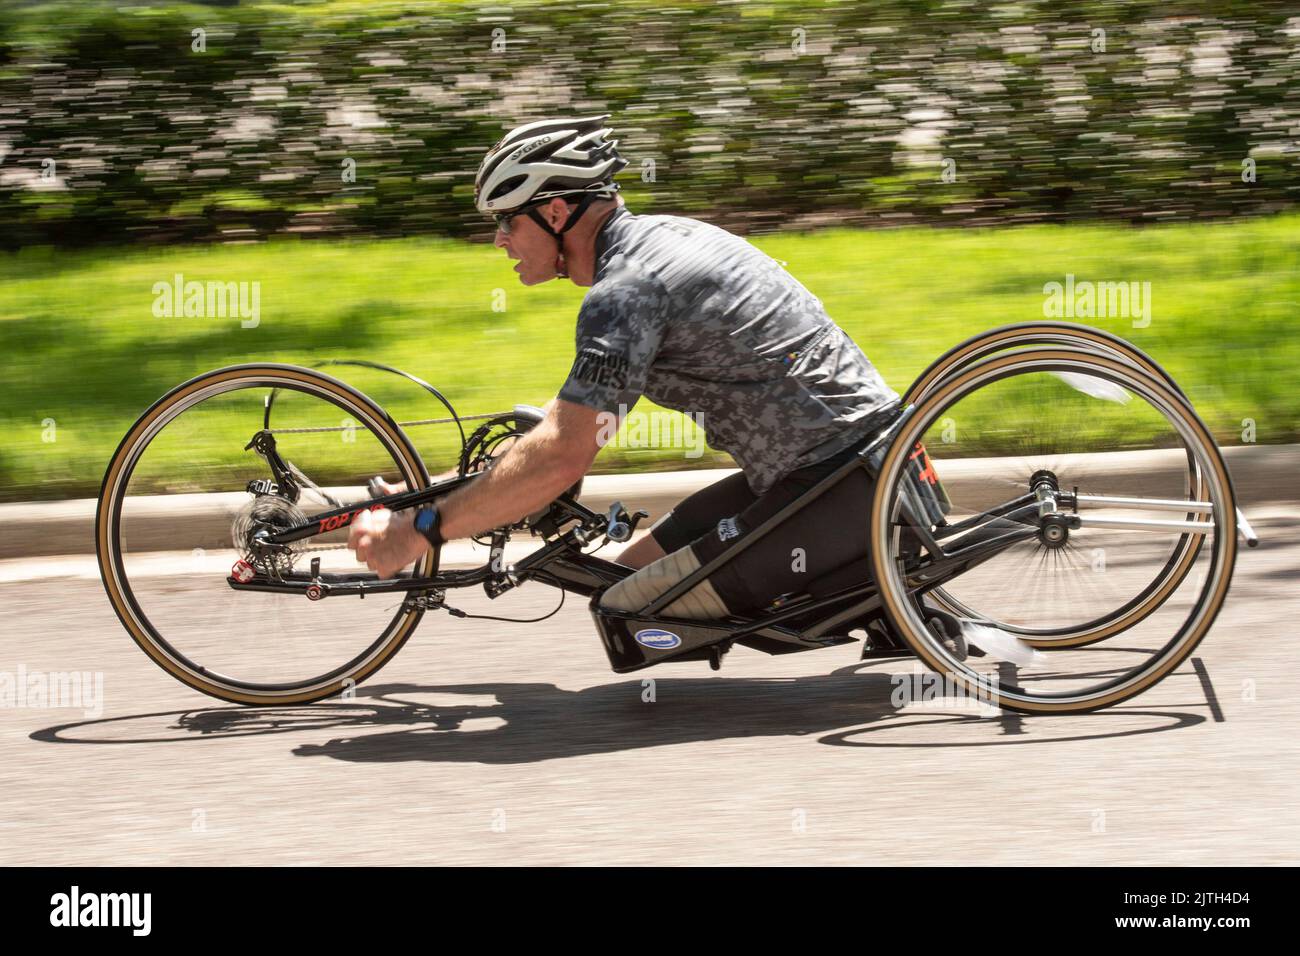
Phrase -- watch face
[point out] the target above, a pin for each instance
(423, 520)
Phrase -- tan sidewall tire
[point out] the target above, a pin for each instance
(1049, 334)
(353, 401)
(882, 559)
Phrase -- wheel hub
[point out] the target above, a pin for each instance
(1053, 526)
(1054, 531)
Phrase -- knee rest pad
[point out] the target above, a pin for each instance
(639, 589)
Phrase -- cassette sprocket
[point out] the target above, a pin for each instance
(266, 513)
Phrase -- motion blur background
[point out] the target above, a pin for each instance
(926, 167)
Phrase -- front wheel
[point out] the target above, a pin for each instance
(182, 504)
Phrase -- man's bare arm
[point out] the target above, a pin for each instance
(532, 473)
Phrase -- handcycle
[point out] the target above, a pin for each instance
(1031, 523)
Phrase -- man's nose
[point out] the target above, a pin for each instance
(500, 240)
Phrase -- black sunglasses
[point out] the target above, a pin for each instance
(503, 219)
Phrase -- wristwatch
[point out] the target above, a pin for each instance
(428, 521)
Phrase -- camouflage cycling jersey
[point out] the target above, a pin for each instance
(702, 322)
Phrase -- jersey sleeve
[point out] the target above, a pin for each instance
(621, 326)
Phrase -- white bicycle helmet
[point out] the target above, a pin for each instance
(548, 159)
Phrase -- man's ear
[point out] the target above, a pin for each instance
(557, 213)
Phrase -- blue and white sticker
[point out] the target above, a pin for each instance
(656, 639)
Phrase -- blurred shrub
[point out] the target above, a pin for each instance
(112, 126)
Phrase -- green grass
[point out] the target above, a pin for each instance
(82, 348)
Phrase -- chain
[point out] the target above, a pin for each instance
(322, 547)
(418, 421)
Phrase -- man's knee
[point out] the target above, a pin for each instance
(639, 589)
(643, 552)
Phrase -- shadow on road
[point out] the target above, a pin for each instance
(527, 723)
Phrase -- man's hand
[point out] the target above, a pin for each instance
(386, 541)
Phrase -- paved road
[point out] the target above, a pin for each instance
(498, 743)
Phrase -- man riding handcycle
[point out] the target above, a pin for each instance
(1011, 576)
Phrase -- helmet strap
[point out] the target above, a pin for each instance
(560, 269)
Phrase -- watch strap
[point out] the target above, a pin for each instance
(428, 521)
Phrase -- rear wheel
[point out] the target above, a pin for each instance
(168, 580)
(1054, 559)
(1183, 550)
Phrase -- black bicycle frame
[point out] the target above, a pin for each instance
(645, 637)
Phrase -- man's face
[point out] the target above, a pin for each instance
(531, 245)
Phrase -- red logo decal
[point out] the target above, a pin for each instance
(927, 472)
(338, 521)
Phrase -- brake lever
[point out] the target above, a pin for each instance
(619, 526)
